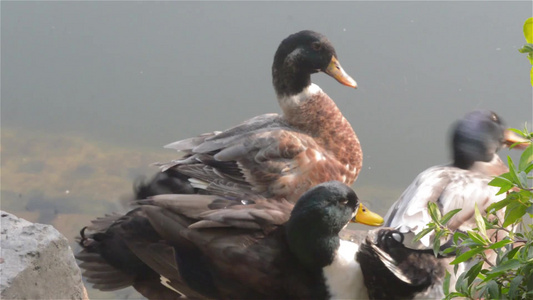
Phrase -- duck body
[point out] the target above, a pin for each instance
(450, 188)
(275, 155)
(267, 250)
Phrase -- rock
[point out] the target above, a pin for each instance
(36, 262)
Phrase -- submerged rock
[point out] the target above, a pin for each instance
(36, 262)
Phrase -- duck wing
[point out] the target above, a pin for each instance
(169, 245)
(450, 188)
(206, 211)
(232, 262)
(262, 155)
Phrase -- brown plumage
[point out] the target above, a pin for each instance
(231, 242)
(278, 156)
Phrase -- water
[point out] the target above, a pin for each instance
(92, 90)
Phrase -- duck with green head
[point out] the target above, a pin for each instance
(263, 249)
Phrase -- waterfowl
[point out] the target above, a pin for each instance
(279, 156)
(174, 245)
(462, 184)
(393, 271)
(476, 140)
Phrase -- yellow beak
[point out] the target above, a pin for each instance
(510, 138)
(367, 217)
(335, 70)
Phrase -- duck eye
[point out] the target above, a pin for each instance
(494, 117)
(316, 46)
(344, 201)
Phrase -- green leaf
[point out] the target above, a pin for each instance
(512, 171)
(434, 212)
(526, 195)
(498, 205)
(458, 236)
(449, 250)
(528, 168)
(466, 255)
(511, 254)
(449, 215)
(436, 246)
(515, 210)
(472, 273)
(500, 244)
(506, 265)
(446, 283)
(493, 289)
(522, 176)
(513, 287)
(517, 131)
(480, 223)
(478, 239)
(526, 48)
(424, 231)
(504, 182)
(526, 158)
(528, 30)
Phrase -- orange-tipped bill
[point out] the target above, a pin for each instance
(336, 71)
(511, 138)
(367, 217)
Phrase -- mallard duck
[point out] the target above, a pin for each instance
(462, 184)
(276, 155)
(207, 246)
(393, 271)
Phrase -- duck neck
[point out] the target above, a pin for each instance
(288, 81)
(462, 162)
(314, 245)
(314, 113)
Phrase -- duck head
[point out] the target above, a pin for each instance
(393, 271)
(478, 137)
(300, 55)
(318, 217)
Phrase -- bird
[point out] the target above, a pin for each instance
(177, 245)
(279, 156)
(393, 271)
(476, 139)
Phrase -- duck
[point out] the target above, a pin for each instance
(476, 139)
(393, 271)
(214, 247)
(279, 156)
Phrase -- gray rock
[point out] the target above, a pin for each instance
(36, 262)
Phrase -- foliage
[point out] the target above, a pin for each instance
(528, 48)
(512, 275)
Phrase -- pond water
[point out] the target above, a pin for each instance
(92, 90)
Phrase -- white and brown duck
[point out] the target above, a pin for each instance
(278, 156)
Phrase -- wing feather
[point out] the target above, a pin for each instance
(450, 188)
